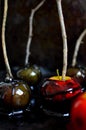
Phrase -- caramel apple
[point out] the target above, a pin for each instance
(15, 94)
(58, 91)
(77, 71)
(57, 95)
(55, 89)
(30, 74)
(61, 85)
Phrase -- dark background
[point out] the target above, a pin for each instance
(46, 46)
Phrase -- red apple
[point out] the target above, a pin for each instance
(55, 89)
(78, 113)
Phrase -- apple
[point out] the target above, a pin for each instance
(31, 74)
(56, 89)
(77, 72)
(15, 94)
(57, 94)
(78, 113)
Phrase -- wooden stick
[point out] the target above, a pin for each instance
(78, 42)
(64, 37)
(3, 39)
(31, 31)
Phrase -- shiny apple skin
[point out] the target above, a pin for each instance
(15, 94)
(78, 113)
(58, 90)
(79, 73)
(30, 74)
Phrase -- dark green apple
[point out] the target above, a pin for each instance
(79, 73)
(30, 74)
(15, 94)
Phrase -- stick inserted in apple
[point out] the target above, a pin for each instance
(30, 73)
(60, 88)
(13, 93)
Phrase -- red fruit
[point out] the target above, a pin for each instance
(78, 113)
(55, 89)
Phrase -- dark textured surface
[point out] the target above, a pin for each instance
(50, 124)
(46, 44)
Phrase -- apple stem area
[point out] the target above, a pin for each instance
(64, 37)
(33, 11)
(9, 73)
(77, 46)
